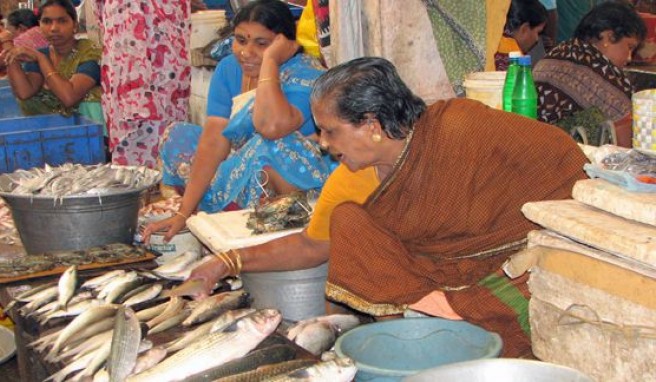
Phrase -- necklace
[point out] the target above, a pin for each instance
(395, 169)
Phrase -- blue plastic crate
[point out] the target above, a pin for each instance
(28, 142)
(8, 104)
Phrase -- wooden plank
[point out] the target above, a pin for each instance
(148, 256)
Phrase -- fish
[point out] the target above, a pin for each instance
(53, 306)
(101, 376)
(125, 344)
(70, 368)
(90, 344)
(215, 349)
(26, 296)
(100, 357)
(152, 312)
(269, 371)
(149, 359)
(177, 263)
(89, 317)
(146, 294)
(218, 324)
(39, 299)
(122, 288)
(115, 283)
(188, 288)
(341, 369)
(316, 337)
(254, 360)
(66, 286)
(103, 279)
(173, 307)
(215, 305)
(170, 322)
(73, 310)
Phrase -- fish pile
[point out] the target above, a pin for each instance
(279, 213)
(28, 264)
(161, 208)
(78, 180)
(8, 233)
(108, 327)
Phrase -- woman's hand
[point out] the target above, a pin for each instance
(21, 54)
(209, 272)
(281, 49)
(172, 225)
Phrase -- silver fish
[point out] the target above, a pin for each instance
(125, 344)
(215, 305)
(173, 307)
(73, 310)
(115, 283)
(96, 282)
(100, 357)
(152, 312)
(316, 337)
(86, 346)
(145, 295)
(92, 315)
(122, 289)
(338, 370)
(70, 368)
(170, 322)
(178, 263)
(66, 285)
(149, 359)
(40, 299)
(214, 349)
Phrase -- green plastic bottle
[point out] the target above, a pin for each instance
(511, 76)
(525, 96)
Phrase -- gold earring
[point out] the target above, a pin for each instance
(605, 45)
(376, 138)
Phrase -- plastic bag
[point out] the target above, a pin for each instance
(634, 170)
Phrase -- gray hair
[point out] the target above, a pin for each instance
(370, 85)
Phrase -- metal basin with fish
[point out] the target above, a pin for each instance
(48, 223)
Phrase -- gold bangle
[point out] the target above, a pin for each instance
(228, 262)
(50, 74)
(268, 79)
(181, 214)
(237, 261)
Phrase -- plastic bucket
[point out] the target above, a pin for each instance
(486, 87)
(394, 349)
(298, 295)
(205, 26)
(182, 242)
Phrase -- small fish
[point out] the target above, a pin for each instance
(96, 282)
(316, 337)
(40, 299)
(146, 294)
(148, 314)
(85, 319)
(149, 359)
(267, 371)
(66, 286)
(173, 307)
(27, 295)
(170, 322)
(178, 263)
(73, 310)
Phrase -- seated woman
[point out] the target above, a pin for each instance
(23, 30)
(62, 78)
(259, 132)
(420, 209)
(525, 21)
(586, 72)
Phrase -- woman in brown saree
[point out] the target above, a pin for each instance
(445, 211)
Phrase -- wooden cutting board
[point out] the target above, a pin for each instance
(597, 228)
(638, 206)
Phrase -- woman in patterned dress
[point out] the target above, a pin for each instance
(259, 136)
(585, 73)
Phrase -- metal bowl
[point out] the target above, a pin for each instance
(501, 369)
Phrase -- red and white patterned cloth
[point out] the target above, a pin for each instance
(146, 73)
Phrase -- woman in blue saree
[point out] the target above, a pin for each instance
(259, 136)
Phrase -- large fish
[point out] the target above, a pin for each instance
(101, 280)
(89, 317)
(215, 349)
(268, 371)
(338, 370)
(125, 345)
(216, 305)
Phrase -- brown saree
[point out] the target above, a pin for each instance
(449, 216)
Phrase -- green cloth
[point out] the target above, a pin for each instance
(46, 102)
(460, 31)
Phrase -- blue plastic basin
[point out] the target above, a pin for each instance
(391, 350)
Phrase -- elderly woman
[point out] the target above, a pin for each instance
(23, 30)
(586, 72)
(525, 21)
(62, 78)
(258, 137)
(425, 206)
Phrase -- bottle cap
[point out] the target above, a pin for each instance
(515, 54)
(525, 60)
